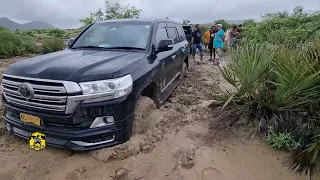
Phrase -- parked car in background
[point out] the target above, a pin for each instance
(85, 97)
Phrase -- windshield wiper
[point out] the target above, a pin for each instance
(125, 47)
(94, 47)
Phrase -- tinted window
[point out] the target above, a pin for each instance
(161, 35)
(181, 34)
(173, 35)
(115, 35)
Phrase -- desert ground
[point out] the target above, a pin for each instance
(181, 143)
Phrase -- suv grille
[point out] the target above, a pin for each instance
(49, 96)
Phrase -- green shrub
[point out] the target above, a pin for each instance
(53, 45)
(10, 43)
(56, 32)
(3, 28)
(13, 44)
(29, 33)
(40, 31)
(283, 28)
(29, 45)
(281, 141)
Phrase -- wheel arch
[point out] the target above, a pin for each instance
(152, 91)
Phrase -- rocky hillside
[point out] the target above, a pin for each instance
(5, 22)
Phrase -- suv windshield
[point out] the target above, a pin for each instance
(115, 35)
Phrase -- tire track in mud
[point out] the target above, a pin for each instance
(186, 105)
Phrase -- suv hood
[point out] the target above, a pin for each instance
(75, 65)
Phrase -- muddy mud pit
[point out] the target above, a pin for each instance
(178, 144)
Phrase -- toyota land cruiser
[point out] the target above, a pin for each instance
(84, 97)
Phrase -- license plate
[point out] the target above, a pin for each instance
(30, 119)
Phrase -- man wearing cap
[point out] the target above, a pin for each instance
(218, 43)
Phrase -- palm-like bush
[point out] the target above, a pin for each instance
(280, 87)
(248, 67)
(296, 80)
(278, 83)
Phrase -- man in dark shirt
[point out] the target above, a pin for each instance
(239, 31)
(240, 28)
(196, 42)
(213, 32)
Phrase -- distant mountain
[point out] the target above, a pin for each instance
(30, 25)
(37, 25)
(9, 24)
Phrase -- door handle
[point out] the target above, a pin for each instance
(174, 56)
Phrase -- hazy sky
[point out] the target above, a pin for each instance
(66, 13)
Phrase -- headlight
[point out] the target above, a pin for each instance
(116, 88)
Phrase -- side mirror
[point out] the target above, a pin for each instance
(165, 45)
(70, 41)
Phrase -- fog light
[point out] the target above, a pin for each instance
(9, 127)
(102, 121)
(108, 120)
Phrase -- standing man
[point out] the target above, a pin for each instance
(207, 38)
(240, 28)
(233, 36)
(196, 42)
(240, 31)
(218, 43)
(213, 32)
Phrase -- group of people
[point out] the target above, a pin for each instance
(215, 39)
(232, 35)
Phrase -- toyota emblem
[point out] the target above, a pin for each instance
(26, 91)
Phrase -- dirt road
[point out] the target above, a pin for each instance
(180, 145)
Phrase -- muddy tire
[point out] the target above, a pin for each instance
(141, 121)
(183, 71)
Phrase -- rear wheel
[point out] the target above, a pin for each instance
(141, 122)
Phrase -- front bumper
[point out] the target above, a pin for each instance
(75, 134)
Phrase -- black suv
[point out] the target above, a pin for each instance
(85, 96)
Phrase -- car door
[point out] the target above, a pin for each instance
(179, 48)
(165, 59)
(183, 45)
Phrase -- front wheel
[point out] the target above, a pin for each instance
(143, 108)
